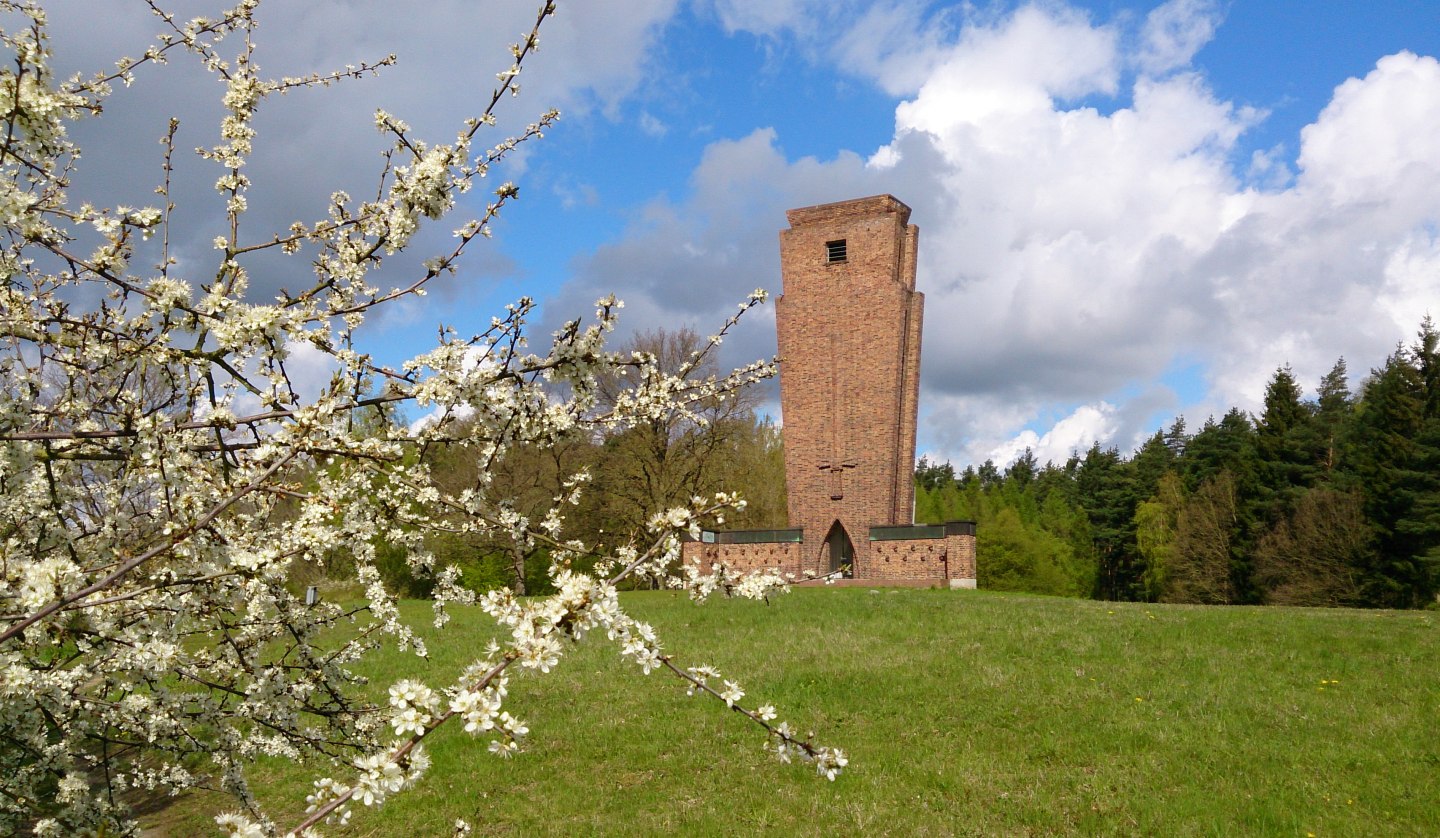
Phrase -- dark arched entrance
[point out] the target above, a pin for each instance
(840, 551)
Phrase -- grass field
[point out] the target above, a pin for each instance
(963, 713)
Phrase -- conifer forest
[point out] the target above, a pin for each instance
(1326, 501)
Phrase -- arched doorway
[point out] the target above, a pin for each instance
(840, 551)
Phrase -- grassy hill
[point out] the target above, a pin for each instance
(962, 712)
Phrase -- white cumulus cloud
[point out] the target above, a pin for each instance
(1088, 221)
(1174, 32)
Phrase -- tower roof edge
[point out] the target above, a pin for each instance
(857, 207)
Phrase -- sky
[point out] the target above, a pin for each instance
(1128, 211)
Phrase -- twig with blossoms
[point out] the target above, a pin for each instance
(582, 605)
(828, 761)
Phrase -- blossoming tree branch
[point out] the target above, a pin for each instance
(162, 476)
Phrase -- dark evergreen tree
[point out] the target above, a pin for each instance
(1023, 470)
(1057, 482)
(1227, 445)
(1150, 463)
(1421, 526)
(1176, 439)
(1391, 456)
(1283, 407)
(1107, 488)
(1287, 450)
(989, 474)
(1333, 410)
(933, 476)
(1426, 352)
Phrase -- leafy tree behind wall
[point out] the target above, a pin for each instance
(664, 461)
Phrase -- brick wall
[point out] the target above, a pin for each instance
(921, 558)
(960, 552)
(786, 557)
(849, 340)
(940, 559)
(849, 336)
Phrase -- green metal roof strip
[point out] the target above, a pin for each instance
(905, 533)
(775, 536)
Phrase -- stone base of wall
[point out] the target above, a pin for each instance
(921, 562)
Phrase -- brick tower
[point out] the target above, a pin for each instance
(848, 323)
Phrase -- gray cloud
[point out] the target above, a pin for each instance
(314, 142)
(691, 263)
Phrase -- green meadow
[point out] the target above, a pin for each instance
(962, 712)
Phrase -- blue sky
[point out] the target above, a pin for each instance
(1129, 211)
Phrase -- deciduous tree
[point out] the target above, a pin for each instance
(1314, 555)
(1202, 568)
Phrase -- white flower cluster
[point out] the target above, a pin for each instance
(480, 709)
(755, 584)
(828, 761)
(414, 707)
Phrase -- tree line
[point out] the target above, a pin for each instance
(1330, 501)
(1325, 501)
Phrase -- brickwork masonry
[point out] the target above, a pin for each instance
(848, 324)
(941, 561)
(848, 330)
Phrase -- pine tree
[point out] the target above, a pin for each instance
(1150, 463)
(1108, 493)
(1023, 470)
(1285, 444)
(1333, 411)
(934, 475)
(1176, 439)
(1392, 455)
(1426, 352)
(1421, 526)
(1227, 445)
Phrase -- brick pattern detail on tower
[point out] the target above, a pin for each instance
(848, 322)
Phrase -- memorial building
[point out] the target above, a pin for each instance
(848, 325)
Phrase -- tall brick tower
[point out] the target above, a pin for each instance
(848, 322)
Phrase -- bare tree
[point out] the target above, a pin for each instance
(1311, 556)
(675, 454)
(1200, 569)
